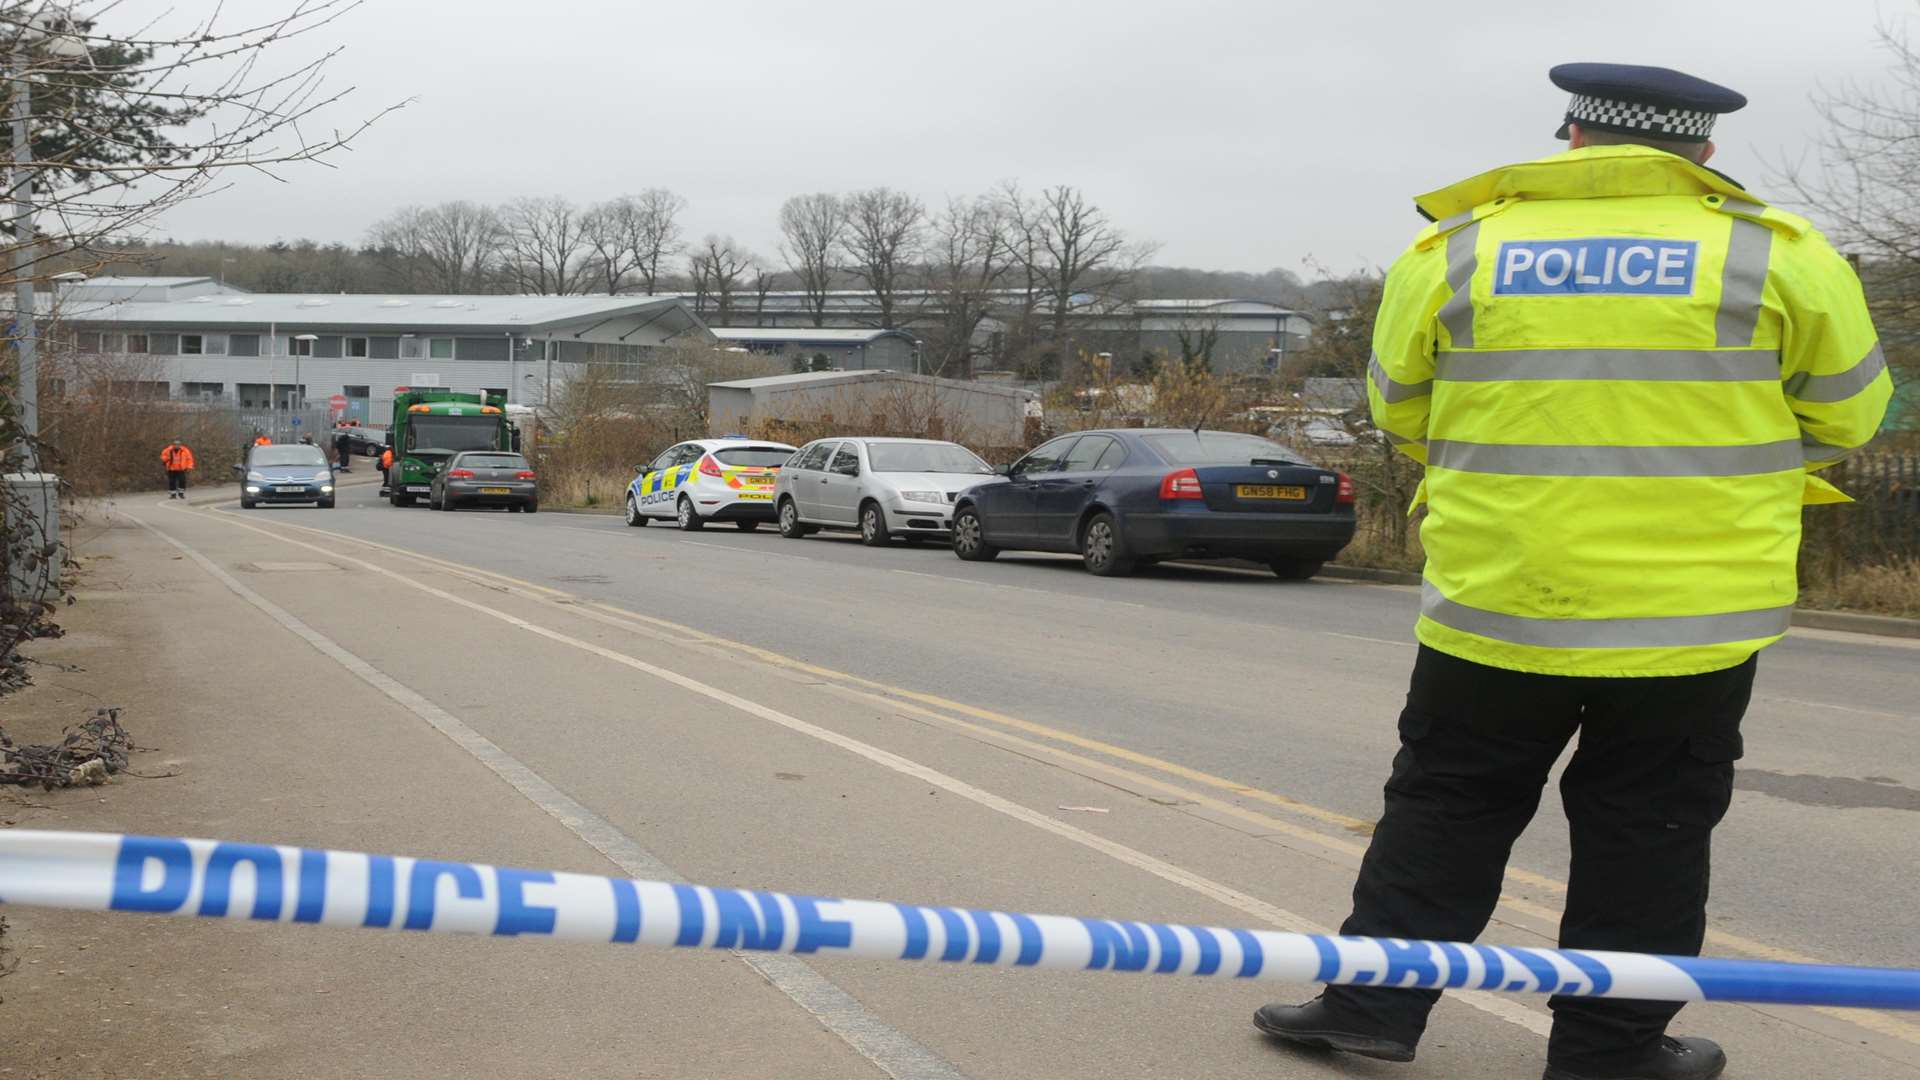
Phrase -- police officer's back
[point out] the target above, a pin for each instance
(1621, 370)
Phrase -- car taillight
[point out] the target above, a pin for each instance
(459, 474)
(523, 474)
(1344, 493)
(709, 467)
(1184, 484)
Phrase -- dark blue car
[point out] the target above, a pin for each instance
(1123, 497)
(286, 473)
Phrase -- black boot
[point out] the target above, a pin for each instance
(1310, 1025)
(1673, 1059)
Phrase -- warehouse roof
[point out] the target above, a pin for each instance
(829, 378)
(804, 335)
(374, 312)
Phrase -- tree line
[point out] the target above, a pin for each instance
(1039, 255)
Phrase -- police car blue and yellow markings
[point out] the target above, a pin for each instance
(1596, 266)
(222, 879)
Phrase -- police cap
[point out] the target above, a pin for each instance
(1632, 99)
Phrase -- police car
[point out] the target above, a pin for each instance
(702, 480)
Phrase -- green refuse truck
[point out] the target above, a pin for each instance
(430, 425)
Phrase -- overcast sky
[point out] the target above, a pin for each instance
(1236, 134)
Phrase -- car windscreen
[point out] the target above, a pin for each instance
(766, 457)
(1218, 448)
(925, 457)
(493, 461)
(453, 432)
(287, 455)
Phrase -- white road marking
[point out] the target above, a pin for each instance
(1375, 640)
(1504, 1009)
(1840, 708)
(838, 1011)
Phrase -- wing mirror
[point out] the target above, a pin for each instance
(1003, 470)
(239, 468)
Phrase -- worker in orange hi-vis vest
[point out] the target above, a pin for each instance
(178, 461)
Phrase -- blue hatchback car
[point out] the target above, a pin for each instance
(286, 473)
(1122, 497)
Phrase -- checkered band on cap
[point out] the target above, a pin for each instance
(1644, 119)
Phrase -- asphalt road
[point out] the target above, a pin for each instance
(1233, 728)
(1289, 687)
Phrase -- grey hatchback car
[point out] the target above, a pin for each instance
(486, 478)
(881, 488)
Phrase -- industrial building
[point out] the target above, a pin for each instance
(980, 414)
(197, 340)
(813, 348)
(1236, 335)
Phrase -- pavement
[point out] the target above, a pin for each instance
(816, 716)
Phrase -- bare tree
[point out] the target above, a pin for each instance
(654, 233)
(603, 226)
(100, 100)
(967, 262)
(885, 235)
(1864, 184)
(812, 226)
(632, 236)
(454, 247)
(1068, 248)
(719, 268)
(766, 277)
(546, 246)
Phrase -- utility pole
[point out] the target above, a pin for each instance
(20, 189)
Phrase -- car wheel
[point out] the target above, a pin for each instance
(246, 504)
(969, 539)
(635, 518)
(790, 524)
(873, 526)
(445, 503)
(326, 504)
(433, 502)
(688, 517)
(533, 506)
(1295, 569)
(1101, 548)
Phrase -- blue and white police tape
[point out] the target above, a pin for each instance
(227, 880)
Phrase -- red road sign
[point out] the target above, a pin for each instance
(338, 403)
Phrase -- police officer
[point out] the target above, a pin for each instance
(1622, 371)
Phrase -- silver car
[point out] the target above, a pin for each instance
(881, 488)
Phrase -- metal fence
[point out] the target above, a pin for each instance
(1881, 525)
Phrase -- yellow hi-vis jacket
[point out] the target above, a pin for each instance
(1620, 370)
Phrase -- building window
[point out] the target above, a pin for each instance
(441, 348)
(202, 391)
(137, 343)
(253, 395)
(88, 341)
(357, 348)
(299, 347)
(412, 348)
(203, 344)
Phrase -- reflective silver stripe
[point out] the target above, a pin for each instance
(1671, 631)
(1741, 282)
(1394, 392)
(1457, 313)
(1664, 365)
(1397, 440)
(1816, 452)
(1825, 389)
(1520, 459)
(1456, 220)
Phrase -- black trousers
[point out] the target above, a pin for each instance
(176, 479)
(1651, 777)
